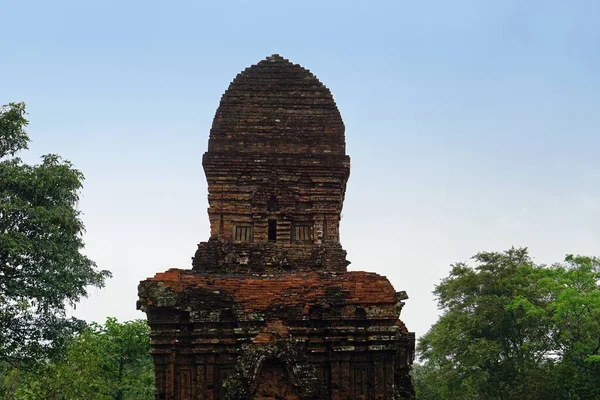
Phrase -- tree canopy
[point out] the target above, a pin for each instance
(42, 267)
(511, 329)
(103, 362)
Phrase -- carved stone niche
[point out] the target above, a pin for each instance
(276, 370)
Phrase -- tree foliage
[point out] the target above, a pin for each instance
(110, 362)
(511, 329)
(42, 269)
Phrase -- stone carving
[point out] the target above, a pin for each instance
(276, 369)
(269, 310)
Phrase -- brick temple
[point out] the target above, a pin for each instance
(269, 310)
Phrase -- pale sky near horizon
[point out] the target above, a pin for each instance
(471, 125)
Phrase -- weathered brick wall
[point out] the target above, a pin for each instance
(268, 258)
(269, 309)
(277, 107)
(277, 137)
(345, 326)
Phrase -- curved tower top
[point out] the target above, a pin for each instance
(276, 106)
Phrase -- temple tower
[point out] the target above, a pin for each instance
(268, 310)
(277, 169)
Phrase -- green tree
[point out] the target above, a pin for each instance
(574, 289)
(42, 269)
(113, 361)
(109, 362)
(511, 329)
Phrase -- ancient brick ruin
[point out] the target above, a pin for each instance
(269, 310)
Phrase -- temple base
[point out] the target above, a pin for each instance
(304, 335)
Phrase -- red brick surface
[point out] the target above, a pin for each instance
(290, 289)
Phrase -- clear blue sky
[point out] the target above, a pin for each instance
(472, 125)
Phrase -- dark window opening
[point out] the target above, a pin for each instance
(361, 317)
(242, 233)
(315, 315)
(360, 313)
(272, 203)
(227, 315)
(302, 233)
(272, 230)
(315, 312)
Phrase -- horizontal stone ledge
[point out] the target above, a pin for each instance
(344, 348)
(382, 347)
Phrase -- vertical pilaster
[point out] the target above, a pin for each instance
(335, 379)
(170, 378)
(379, 377)
(388, 366)
(210, 377)
(345, 388)
(200, 378)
